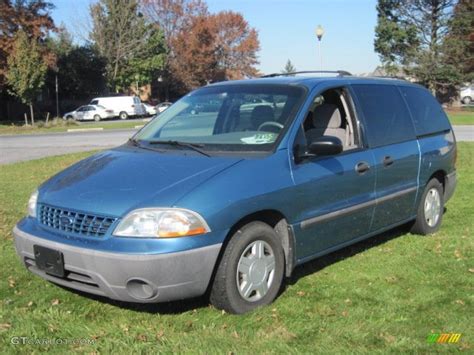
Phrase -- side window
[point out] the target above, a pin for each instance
(428, 115)
(331, 114)
(387, 119)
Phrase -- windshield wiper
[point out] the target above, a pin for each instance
(136, 143)
(192, 146)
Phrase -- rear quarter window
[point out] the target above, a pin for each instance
(428, 115)
(387, 119)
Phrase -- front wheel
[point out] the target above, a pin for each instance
(251, 270)
(96, 118)
(123, 115)
(430, 210)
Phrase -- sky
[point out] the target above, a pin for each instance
(286, 30)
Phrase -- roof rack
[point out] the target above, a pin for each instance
(338, 72)
(395, 77)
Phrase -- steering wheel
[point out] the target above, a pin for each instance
(270, 123)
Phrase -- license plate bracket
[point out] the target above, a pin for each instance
(49, 260)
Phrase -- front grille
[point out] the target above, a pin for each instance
(74, 222)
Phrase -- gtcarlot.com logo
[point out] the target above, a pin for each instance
(50, 341)
(444, 338)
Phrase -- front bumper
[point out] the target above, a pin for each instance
(140, 278)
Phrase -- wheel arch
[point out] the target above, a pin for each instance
(278, 222)
(439, 175)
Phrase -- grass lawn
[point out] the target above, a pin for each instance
(386, 294)
(461, 117)
(20, 129)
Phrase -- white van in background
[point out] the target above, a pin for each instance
(123, 106)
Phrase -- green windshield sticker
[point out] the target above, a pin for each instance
(260, 138)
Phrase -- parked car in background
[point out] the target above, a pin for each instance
(90, 113)
(467, 94)
(230, 200)
(122, 106)
(163, 106)
(150, 110)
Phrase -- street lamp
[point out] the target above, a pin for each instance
(319, 35)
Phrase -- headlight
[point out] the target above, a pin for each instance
(162, 223)
(32, 204)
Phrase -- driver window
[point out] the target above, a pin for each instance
(331, 115)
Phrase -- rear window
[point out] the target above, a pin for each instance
(387, 119)
(428, 115)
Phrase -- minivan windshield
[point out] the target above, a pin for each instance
(226, 118)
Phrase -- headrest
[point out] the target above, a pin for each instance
(327, 116)
(263, 113)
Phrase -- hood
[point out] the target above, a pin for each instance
(116, 181)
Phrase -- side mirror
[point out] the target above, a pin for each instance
(325, 145)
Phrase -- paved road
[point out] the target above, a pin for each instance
(26, 147)
(464, 133)
(16, 148)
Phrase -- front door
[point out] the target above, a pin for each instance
(335, 194)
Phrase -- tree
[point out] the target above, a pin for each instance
(458, 45)
(203, 47)
(31, 16)
(236, 45)
(175, 18)
(131, 46)
(194, 63)
(26, 70)
(414, 36)
(289, 67)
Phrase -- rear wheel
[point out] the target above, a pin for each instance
(96, 118)
(430, 209)
(250, 273)
(123, 115)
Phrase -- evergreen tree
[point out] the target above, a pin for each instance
(289, 67)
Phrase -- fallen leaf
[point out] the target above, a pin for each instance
(160, 335)
(471, 270)
(141, 337)
(55, 302)
(30, 304)
(4, 326)
(301, 293)
(11, 282)
(345, 313)
(461, 302)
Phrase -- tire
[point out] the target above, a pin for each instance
(96, 118)
(69, 117)
(262, 283)
(466, 100)
(123, 115)
(428, 219)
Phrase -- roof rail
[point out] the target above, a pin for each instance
(394, 77)
(338, 72)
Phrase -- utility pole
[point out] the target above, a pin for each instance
(57, 96)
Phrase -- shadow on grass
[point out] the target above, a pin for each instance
(174, 307)
(318, 264)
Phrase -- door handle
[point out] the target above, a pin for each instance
(362, 167)
(387, 161)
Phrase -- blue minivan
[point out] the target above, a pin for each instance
(237, 183)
